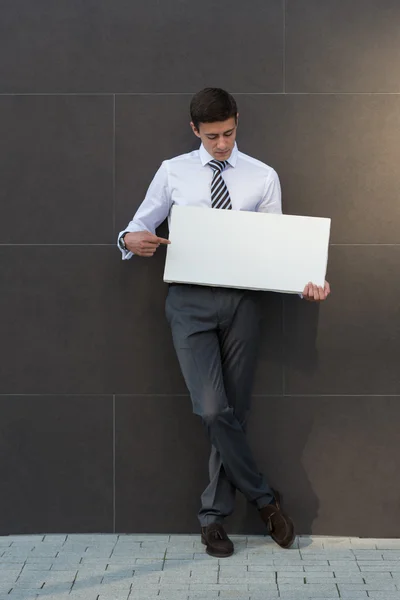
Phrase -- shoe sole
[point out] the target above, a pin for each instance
(215, 554)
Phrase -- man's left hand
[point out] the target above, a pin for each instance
(315, 293)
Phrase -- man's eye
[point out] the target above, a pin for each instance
(228, 134)
(211, 137)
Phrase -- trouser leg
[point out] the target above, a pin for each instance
(208, 347)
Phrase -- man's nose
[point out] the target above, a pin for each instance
(221, 143)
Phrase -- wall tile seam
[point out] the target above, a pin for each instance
(172, 395)
(116, 94)
(110, 245)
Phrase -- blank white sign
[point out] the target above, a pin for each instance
(240, 249)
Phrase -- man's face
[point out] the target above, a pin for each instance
(218, 138)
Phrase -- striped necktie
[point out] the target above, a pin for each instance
(219, 192)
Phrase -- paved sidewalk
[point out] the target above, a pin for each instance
(175, 567)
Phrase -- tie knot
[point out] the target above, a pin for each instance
(218, 165)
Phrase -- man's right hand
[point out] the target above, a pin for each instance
(143, 243)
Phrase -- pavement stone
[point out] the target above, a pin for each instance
(175, 567)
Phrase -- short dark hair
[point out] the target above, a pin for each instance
(211, 105)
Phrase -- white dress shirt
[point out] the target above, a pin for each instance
(186, 180)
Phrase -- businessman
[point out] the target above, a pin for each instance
(216, 330)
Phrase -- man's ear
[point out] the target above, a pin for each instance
(237, 119)
(194, 129)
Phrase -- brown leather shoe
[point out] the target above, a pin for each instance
(280, 526)
(216, 541)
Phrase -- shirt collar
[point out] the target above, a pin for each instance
(205, 157)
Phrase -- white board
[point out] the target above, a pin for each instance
(241, 249)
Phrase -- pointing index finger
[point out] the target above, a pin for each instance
(163, 241)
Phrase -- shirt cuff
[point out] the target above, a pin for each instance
(126, 254)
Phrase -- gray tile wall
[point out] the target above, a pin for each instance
(96, 430)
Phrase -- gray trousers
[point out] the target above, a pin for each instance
(216, 333)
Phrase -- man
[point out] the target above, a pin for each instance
(215, 330)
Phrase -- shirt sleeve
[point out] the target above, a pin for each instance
(271, 201)
(153, 210)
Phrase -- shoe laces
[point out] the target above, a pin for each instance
(216, 532)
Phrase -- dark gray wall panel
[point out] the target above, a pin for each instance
(350, 344)
(78, 320)
(143, 355)
(56, 166)
(142, 143)
(342, 46)
(337, 156)
(269, 374)
(151, 46)
(161, 462)
(144, 360)
(56, 464)
(148, 130)
(336, 461)
(321, 453)
(56, 308)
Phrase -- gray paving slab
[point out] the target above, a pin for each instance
(175, 567)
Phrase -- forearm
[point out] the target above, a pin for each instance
(153, 210)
